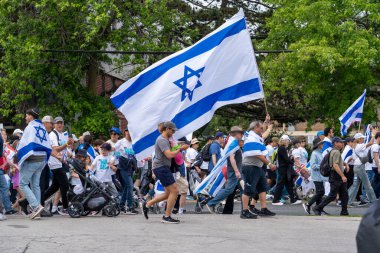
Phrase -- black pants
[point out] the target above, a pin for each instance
(283, 180)
(319, 192)
(44, 182)
(336, 186)
(60, 182)
(350, 176)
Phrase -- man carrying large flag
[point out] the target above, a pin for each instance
(33, 151)
(188, 86)
(354, 113)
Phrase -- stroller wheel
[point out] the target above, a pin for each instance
(110, 211)
(198, 209)
(75, 209)
(220, 209)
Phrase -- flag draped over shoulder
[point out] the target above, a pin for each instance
(327, 146)
(216, 180)
(254, 145)
(190, 85)
(34, 141)
(354, 113)
(347, 153)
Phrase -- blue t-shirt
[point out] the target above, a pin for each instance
(215, 149)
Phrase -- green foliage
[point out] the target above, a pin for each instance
(336, 56)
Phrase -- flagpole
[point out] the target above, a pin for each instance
(360, 122)
(265, 105)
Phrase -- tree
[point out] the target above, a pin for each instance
(64, 83)
(336, 55)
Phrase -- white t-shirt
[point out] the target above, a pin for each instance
(302, 154)
(191, 154)
(360, 150)
(115, 153)
(53, 162)
(124, 148)
(374, 149)
(102, 170)
(270, 151)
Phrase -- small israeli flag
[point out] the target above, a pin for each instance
(190, 85)
(368, 134)
(354, 113)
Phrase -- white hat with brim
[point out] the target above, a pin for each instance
(358, 136)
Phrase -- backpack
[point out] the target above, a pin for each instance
(205, 153)
(325, 167)
(365, 159)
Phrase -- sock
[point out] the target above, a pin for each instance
(180, 210)
(54, 209)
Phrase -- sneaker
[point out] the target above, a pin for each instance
(269, 197)
(169, 220)
(246, 214)
(339, 203)
(277, 203)
(316, 211)
(131, 211)
(266, 213)
(10, 212)
(2, 217)
(144, 209)
(253, 210)
(211, 209)
(324, 213)
(307, 208)
(344, 214)
(351, 205)
(63, 212)
(46, 213)
(175, 211)
(361, 203)
(36, 212)
(297, 202)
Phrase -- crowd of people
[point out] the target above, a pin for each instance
(37, 179)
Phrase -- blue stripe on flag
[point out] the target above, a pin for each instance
(216, 183)
(203, 106)
(253, 146)
(33, 147)
(349, 153)
(150, 76)
(353, 109)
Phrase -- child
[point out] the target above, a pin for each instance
(103, 167)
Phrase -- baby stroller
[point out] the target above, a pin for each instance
(95, 196)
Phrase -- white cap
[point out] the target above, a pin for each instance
(358, 136)
(17, 131)
(285, 137)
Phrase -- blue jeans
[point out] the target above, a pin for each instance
(30, 173)
(127, 191)
(226, 191)
(360, 176)
(370, 175)
(4, 189)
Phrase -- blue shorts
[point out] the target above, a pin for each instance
(164, 175)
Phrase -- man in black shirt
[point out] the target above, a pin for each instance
(234, 163)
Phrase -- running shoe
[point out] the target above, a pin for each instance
(63, 212)
(253, 210)
(297, 202)
(2, 217)
(307, 208)
(169, 220)
(144, 209)
(277, 203)
(10, 212)
(131, 211)
(266, 213)
(246, 214)
(360, 204)
(316, 211)
(36, 212)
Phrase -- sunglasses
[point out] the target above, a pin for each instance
(113, 133)
(172, 130)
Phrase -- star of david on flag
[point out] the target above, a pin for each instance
(183, 83)
(187, 87)
(42, 137)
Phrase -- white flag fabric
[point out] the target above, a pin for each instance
(354, 113)
(190, 85)
(212, 184)
(34, 141)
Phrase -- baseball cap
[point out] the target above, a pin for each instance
(116, 130)
(194, 141)
(236, 129)
(285, 137)
(58, 119)
(336, 139)
(169, 124)
(319, 133)
(184, 140)
(348, 139)
(358, 136)
(82, 153)
(47, 119)
(219, 134)
(106, 146)
(17, 131)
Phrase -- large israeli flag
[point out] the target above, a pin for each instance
(188, 86)
(212, 184)
(354, 113)
(34, 141)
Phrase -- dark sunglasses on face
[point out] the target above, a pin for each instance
(113, 133)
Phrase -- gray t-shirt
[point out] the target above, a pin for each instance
(252, 161)
(335, 157)
(160, 159)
